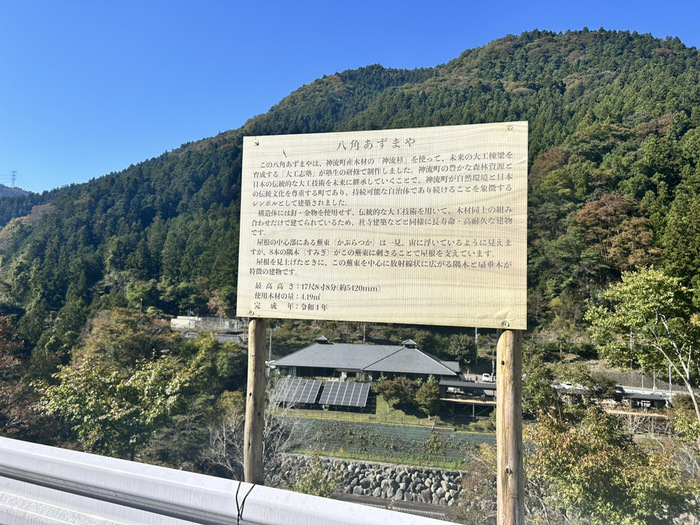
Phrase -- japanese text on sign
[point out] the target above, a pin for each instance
(420, 226)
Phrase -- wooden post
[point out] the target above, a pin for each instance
(255, 403)
(509, 429)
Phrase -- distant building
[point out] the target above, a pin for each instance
(225, 330)
(217, 325)
(364, 362)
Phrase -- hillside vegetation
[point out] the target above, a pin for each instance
(614, 152)
(614, 120)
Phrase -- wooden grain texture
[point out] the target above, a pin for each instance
(255, 403)
(509, 429)
(426, 225)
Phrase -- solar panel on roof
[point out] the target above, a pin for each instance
(345, 394)
(293, 390)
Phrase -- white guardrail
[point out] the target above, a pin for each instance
(47, 485)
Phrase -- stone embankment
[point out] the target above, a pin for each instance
(392, 482)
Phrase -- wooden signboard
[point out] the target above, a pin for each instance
(414, 226)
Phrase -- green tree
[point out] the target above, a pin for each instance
(427, 396)
(681, 237)
(539, 396)
(123, 337)
(399, 391)
(317, 480)
(14, 412)
(685, 423)
(650, 320)
(461, 347)
(112, 414)
(593, 470)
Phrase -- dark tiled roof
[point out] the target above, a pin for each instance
(371, 358)
(341, 356)
(410, 361)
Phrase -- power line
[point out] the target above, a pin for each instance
(23, 184)
(12, 180)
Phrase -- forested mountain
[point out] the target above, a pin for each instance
(614, 149)
(6, 191)
(614, 154)
(89, 272)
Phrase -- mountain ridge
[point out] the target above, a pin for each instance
(6, 191)
(610, 113)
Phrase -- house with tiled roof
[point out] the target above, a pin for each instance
(364, 362)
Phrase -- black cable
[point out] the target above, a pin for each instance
(239, 508)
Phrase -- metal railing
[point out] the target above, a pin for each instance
(48, 485)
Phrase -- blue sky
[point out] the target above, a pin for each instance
(91, 86)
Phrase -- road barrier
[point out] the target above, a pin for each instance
(47, 485)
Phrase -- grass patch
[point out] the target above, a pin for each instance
(483, 426)
(383, 413)
(393, 459)
(387, 434)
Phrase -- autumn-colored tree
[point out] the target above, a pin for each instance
(612, 225)
(633, 246)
